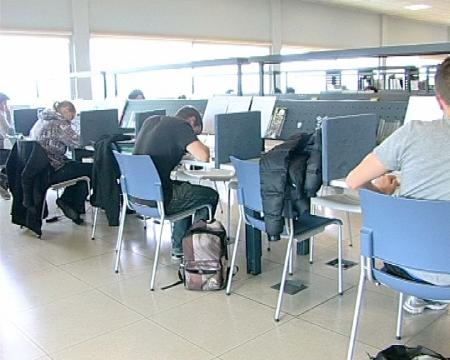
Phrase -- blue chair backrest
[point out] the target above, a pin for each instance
(406, 232)
(141, 177)
(249, 185)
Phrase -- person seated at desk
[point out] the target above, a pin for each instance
(420, 150)
(6, 126)
(55, 137)
(166, 139)
(136, 94)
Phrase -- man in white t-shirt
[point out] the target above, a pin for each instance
(420, 151)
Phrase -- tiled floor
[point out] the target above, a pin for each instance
(60, 299)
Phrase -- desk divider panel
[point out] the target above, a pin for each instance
(346, 140)
(237, 134)
(302, 115)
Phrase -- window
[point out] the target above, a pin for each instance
(113, 53)
(34, 67)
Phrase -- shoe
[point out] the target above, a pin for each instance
(177, 256)
(4, 193)
(69, 212)
(416, 306)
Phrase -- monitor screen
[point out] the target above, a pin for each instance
(24, 119)
(96, 123)
(140, 117)
(425, 108)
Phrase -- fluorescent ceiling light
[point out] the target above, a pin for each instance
(415, 7)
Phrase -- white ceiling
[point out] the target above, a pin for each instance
(438, 13)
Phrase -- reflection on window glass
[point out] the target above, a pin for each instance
(34, 69)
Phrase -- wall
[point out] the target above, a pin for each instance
(302, 23)
(397, 30)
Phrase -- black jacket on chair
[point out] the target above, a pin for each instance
(105, 189)
(29, 172)
(290, 175)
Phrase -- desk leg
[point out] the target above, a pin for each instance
(303, 247)
(253, 250)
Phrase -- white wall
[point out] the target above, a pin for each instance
(222, 19)
(328, 27)
(303, 23)
(397, 30)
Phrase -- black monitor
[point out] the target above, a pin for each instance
(140, 117)
(24, 120)
(96, 123)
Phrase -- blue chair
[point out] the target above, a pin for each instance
(395, 231)
(142, 192)
(300, 228)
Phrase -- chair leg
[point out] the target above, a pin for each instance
(349, 227)
(359, 297)
(311, 239)
(120, 236)
(228, 209)
(94, 223)
(291, 261)
(155, 263)
(340, 269)
(398, 333)
(233, 257)
(290, 226)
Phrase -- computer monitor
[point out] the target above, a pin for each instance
(264, 104)
(24, 120)
(140, 117)
(97, 123)
(425, 108)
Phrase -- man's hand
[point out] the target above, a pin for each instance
(386, 184)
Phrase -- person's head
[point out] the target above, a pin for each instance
(290, 90)
(136, 94)
(66, 109)
(191, 115)
(3, 102)
(442, 85)
(276, 91)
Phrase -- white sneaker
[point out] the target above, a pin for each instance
(415, 306)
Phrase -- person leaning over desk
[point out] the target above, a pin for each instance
(166, 139)
(55, 136)
(421, 152)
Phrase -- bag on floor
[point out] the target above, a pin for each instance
(401, 352)
(204, 266)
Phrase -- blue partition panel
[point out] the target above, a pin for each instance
(346, 140)
(237, 134)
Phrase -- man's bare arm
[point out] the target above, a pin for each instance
(198, 150)
(369, 169)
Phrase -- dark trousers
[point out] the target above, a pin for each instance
(186, 196)
(75, 195)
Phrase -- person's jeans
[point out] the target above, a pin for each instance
(186, 196)
(74, 195)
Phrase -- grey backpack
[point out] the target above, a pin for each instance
(204, 266)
